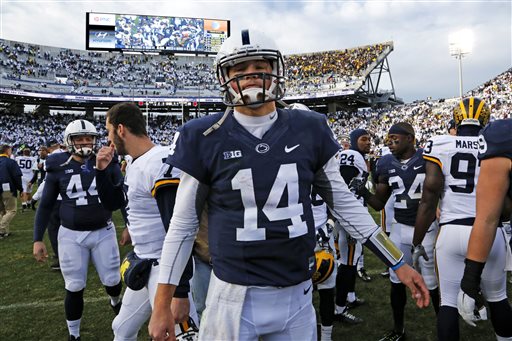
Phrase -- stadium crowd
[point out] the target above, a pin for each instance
(429, 118)
(312, 71)
(84, 72)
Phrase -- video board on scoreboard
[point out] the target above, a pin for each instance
(128, 32)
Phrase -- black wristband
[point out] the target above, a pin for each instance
(470, 282)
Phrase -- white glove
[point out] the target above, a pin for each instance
(417, 252)
(468, 309)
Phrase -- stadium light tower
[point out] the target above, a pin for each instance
(461, 44)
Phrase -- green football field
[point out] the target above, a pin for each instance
(32, 300)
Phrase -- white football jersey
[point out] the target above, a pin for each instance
(352, 158)
(458, 158)
(145, 225)
(28, 164)
(319, 209)
(349, 157)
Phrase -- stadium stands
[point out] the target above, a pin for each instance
(55, 70)
(428, 118)
(46, 69)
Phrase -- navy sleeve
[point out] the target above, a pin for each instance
(34, 177)
(495, 140)
(16, 176)
(124, 214)
(380, 169)
(165, 198)
(184, 154)
(44, 210)
(109, 183)
(329, 145)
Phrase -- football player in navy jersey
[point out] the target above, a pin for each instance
(86, 231)
(255, 166)
(452, 173)
(147, 177)
(400, 175)
(493, 194)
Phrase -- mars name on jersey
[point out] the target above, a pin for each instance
(81, 208)
(457, 156)
(261, 229)
(496, 140)
(406, 182)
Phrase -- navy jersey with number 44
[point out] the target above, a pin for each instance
(496, 141)
(81, 208)
(260, 223)
(406, 182)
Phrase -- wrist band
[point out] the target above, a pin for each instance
(398, 265)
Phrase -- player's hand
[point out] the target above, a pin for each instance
(104, 156)
(358, 186)
(161, 324)
(39, 251)
(470, 301)
(417, 252)
(413, 280)
(470, 309)
(126, 239)
(180, 309)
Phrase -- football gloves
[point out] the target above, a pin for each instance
(358, 186)
(417, 252)
(470, 301)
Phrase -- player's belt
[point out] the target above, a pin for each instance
(465, 221)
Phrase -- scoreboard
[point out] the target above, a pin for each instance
(128, 32)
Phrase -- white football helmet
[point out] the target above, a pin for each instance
(186, 331)
(299, 106)
(242, 47)
(80, 128)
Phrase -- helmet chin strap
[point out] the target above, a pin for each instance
(252, 97)
(85, 151)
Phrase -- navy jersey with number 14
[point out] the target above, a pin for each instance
(261, 228)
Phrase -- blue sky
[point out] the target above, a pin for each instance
(421, 65)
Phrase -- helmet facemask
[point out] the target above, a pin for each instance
(83, 149)
(81, 128)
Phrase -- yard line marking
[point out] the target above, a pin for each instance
(32, 230)
(42, 304)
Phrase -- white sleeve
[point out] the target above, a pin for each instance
(182, 229)
(345, 207)
(39, 192)
(351, 213)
